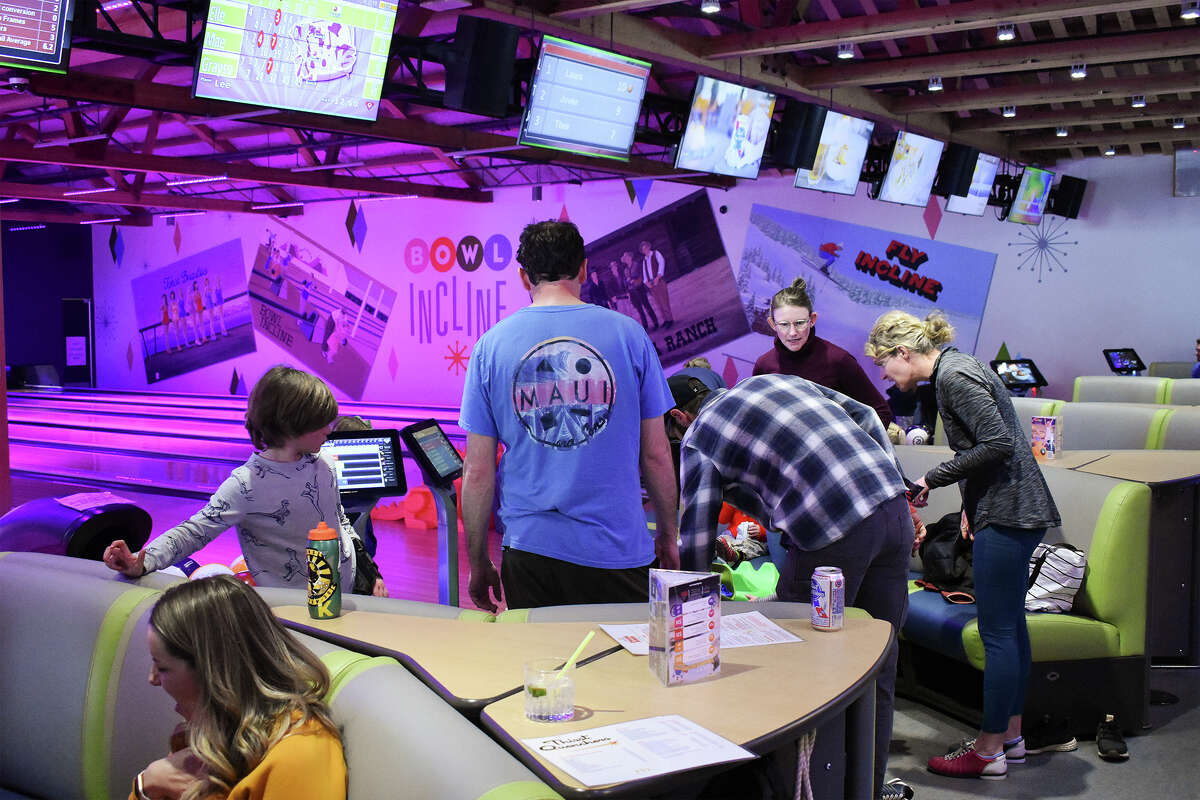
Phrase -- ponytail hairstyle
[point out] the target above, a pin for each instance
(794, 295)
(257, 682)
(900, 329)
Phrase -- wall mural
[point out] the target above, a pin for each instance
(855, 273)
(669, 271)
(326, 312)
(193, 312)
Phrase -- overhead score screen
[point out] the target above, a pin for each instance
(584, 100)
(303, 55)
(36, 34)
(975, 203)
(1032, 194)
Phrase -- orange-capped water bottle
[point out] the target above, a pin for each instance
(324, 583)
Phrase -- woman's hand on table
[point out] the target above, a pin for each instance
(168, 778)
(379, 589)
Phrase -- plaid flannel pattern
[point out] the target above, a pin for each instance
(803, 459)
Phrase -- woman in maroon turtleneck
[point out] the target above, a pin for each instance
(799, 351)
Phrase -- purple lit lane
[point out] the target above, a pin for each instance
(228, 431)
(187, 478)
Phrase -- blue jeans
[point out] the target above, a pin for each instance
(1001, 564)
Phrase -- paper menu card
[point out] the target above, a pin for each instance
(634, 750)
(750, 629)
(685, 625)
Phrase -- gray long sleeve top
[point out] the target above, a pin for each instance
(273, 506)
(993, 464)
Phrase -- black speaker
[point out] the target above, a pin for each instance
(955, 171)
(1066, 198)
(798, 135)
(479, 68)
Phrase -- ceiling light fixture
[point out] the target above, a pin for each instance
(1138, 101)
(197, 179)
(26, 228)
(78, 192)
(1110, 151)
(1078, 71)
(380, 197)
(8, 200)
(73, 140)
(170, 214)
(321, 167)
(845, 50)
(1009, 112)
(935, 83)
(1062, 131)
(1006, 32)
(1178, 123)
(1189, 9)
(710, 6)
(99, 221)
(268, 206)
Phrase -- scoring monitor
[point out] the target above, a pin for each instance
(440, 463)
(367, 463)
(303, 55)
(584, 100)
(36, 34)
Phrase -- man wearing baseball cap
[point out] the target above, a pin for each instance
(816, 466)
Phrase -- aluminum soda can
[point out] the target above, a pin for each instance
(828, 599)
(324, 583)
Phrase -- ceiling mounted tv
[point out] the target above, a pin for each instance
(840, 155)
(584, 100)
(37, 35)
(982, 179)
(911, 173)
(1032, 194)
(726, 129)
(316, 57)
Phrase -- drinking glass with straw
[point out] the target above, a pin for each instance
(550, 688)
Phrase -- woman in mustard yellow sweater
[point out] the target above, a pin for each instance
(255, 726)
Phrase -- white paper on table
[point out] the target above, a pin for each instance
(752, 629)
(737, 630)
(635, 638)
(634, 750)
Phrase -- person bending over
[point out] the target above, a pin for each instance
(1006, 510)
(274, 499)
(255, 726)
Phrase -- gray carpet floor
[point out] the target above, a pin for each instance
(1162, 761)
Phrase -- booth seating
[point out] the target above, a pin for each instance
(1120, 389)
(1087, 663)
(1182, 430)
(1112, 426)
(1184, 392)
(1171, 369)
(1026, 408)
(81, 718)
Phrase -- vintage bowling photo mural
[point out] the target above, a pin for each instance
(669, 271)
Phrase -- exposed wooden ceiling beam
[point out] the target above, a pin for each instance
(173, 201)
(100, 158)
(1021, 58)
(45, 215)
(1041, 141)
(577, 9)
(1115, 113)
(1057, 92)
(910, 22)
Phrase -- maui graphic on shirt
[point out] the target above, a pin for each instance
(563, 393)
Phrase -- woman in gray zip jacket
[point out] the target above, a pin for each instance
(1006, 510)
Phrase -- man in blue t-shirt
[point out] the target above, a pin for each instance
(577, 395)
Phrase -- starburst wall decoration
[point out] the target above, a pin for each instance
(458, 358)
(1043, 248)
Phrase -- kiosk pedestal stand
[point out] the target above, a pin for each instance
(440, 465)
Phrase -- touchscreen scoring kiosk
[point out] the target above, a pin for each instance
(440, 465)
(1018, 375)
(1123, 360)
(368, 465)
